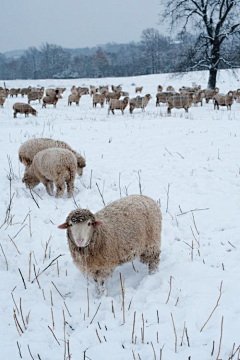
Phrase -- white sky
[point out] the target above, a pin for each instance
(74, 23)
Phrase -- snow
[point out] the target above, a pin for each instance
(196, 157)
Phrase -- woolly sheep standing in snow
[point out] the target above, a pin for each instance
(30, 148)
(122, 231)
(52, 166)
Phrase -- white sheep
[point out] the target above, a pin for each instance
(52, 166)
(31, 147)
(122, 231)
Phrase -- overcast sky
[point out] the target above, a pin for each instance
(74, 23)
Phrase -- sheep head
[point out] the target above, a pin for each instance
(80, 224)
(30, 180)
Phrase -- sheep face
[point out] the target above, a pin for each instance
(81, 231)
(30, 180)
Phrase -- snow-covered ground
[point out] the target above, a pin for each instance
(195, 159)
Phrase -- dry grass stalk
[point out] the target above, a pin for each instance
(18, 326)
(58, 268)
(192, 251)
(15, 303)
(157, 338)
(64, 334)
(51, 297)
(143, 329)
(170, 289)
(30, 352)
(167, 191)
(186, 332)
(30, 225)
(30, 266)
(154, 352)
(22, 278)
(68, 348)
(53, 324)
(51, 263)
(184, 327)
(35, 273)
(4, 257)
(57, 290)
(134, 357)
(19, 350)
(14, 244)
(101, 194)
(123, 296)
(175, 333)
(113, 310)
(46, 248)
(213, 345)
(28, 316)
(95, 313)
(21, 312)
(194, 222)
(220, 341)
(197, 241)
(220, 294)
(133, 330)
(67, 309)
(234, 353)
(130, 304)
(98, 336)
(177, 301)
(157, 317)
(43, 294)
(54, 335)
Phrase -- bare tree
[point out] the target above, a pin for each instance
(216, 21)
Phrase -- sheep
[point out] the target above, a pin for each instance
(99, 99)
(223, 100)
(139, 102)
(209, 93)
(116, 88)
(162, 97)
(198, 97)
(112, 95)
(236, 94)
(4, 93)
(52, 166)
(14, 92)
(2, 100)
(23, 108)
(53, 93)
(124, 93)
(138, 89)
(170, 88)
(179, 102)
(50, 100)
(93, 90)
(103, 89)
(122, 231)
(30, 148)
(74, 98)
(25, 91)
(159, 88)
(35, 95)
(118, 104)
(83, 90)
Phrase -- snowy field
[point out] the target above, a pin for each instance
(190, 164)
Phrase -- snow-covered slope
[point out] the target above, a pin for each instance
(190, 163)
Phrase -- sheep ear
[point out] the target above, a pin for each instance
(97, 223)
(63, 226)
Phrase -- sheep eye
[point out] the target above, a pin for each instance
(74, 219)
(89, 224)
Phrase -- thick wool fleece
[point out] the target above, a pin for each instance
(131, 228)
(30, 148)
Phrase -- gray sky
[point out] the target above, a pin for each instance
(74, 23)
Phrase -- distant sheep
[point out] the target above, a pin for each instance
(30, 148)
(99, 99)
(138, 89)
(112, 95)
(25, 91)
(118, 105)
(159, 88)
(14, 92)
(50, 100)
(179, 102)
(22, 108)
(74, 98)
(170, 88)
(35, 95)
(52, 166)
(162, 97)
(2, 100)
(122, 231)
(198, 97)
(139, 102)
(223, 100)
(209, 94)
(116, 88)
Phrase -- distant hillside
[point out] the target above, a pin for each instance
(14, 53)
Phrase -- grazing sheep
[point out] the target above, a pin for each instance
(2, 100)
(50, 100)
(35, 95)
(198, 97)
(223, 100)
(74, 98)
(209, 94)
(162, 97)
(124, 230)
(30, 148)
(159, 88)
(112, 95)
(83, 90)
(52, 166)
(14, 92)
(23, 108)
(116, 88)
(139, 102)
(179, 102)
(115, 104)
(170, 88)
(138, 89)
(99, 99)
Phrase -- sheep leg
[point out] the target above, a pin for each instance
(60, 189)
(100, 277)
(150, 257)
(169, 111)
(47, 183)
(70, 185)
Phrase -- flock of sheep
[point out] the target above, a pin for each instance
(125, 229)
(117, 99)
